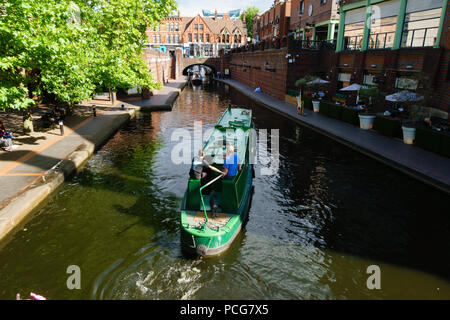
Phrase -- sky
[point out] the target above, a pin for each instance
(192, 7)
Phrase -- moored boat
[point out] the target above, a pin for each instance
(196, 79)
(214, 210)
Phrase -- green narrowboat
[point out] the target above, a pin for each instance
(214, 211)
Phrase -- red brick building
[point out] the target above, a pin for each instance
(199, 35)
(314, 19)
(385, 44)
(274, 22)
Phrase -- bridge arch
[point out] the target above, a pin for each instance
(213, 68)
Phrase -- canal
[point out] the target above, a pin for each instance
(313, 230)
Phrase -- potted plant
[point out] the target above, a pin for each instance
(413, 103)
(302, 83)
(409, 125)
(315, 84)
(370, 97)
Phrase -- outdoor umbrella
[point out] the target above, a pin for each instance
(354, 87)
(404, 96)
(318, 81)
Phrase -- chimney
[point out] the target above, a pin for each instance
(215, 14)
(178, 13)
(226, 16)
(243, 15)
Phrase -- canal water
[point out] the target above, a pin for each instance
(313, 230)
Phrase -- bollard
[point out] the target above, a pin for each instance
(94, 110)
(61, 127)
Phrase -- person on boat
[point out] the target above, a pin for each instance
(231, 164)
(200, 167)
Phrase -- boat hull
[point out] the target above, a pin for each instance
(215, 243)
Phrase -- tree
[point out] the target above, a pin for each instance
(69, 49)
(250, 13)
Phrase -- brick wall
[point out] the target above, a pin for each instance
(320, 13)
(251, 68)
(158, 63)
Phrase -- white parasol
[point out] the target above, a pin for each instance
(404, 96)
(354, 87)
(318, 81)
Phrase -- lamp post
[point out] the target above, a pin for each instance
(94, 110)
(61, 126)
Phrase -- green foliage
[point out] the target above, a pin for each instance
(70, 49)
(302, 83)
(387, 126)
(250, 13)
(370, 96)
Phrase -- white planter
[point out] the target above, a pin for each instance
(316, 105)
(409, 134)
(366, 121)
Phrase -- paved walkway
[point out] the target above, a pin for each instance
(426, 166)
(162, 99)
(42, 155)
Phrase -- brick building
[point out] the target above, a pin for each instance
(384, 43)
(199, 35)
(378, 42)
(314, 19)
(274, 22)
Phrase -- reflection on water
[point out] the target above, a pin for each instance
(313, 228)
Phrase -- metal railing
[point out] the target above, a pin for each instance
(203, 202)
(415, 36)
(379, 40)
(314, 44)
(353, 43)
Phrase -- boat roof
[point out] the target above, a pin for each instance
(232, 128)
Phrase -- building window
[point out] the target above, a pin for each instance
(173, 39)
(344, 79)
(201, 37)
(190, 37)
(422, 21)
(383, 24)
(406, 83)
(207, 37)
(369, 79)
(154, 38)
(158, 39)
(322, 2)
(176, 26)
(195, 26)
(178, 38)
(201, 26)
(354, 29)
(168, 39)
(171, 27)
(195, 37)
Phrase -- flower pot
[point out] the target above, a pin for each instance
(316, 105)
(409, 134)
(366, 121)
